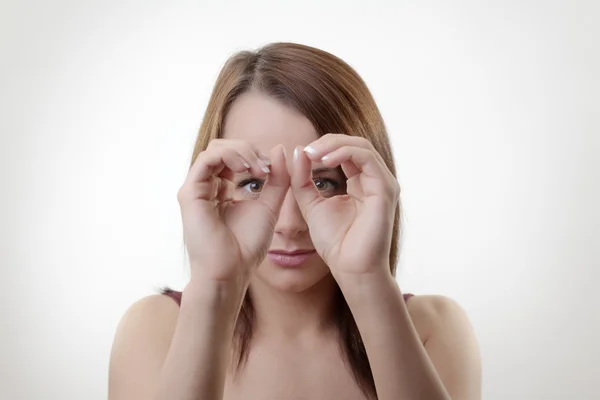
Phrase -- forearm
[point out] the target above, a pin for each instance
(200, 351)
(400, 365)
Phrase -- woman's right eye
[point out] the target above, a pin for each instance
(251, 186)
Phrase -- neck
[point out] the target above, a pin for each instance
(294, 315)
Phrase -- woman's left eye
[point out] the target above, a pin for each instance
(251, 186)
(324, 184)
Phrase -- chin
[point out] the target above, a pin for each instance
(295, 280)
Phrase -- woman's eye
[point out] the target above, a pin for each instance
(252, 185)
(323, 184)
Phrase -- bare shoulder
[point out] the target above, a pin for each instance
(157, 313)
(432, 312)
(449, 340)
(140, 345)
(433, 305)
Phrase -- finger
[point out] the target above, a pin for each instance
(212, 162)
(354, 160)
(191, 191)
(226, 190)
(331, 142)
(349, 169)
(244, 148)
(303, 186)
(278, 181)
(257, 163)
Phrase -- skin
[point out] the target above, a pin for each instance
(423, 349)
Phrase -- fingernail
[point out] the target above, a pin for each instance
(296, 154)
(309, 150)
(263, 166)
(284, 153)
(246, 164)
(324, 158)
(264, 158)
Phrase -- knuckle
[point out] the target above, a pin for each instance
(366, 143)
(215, 143)
(212, 152)
(396, 189)
(329, 136)
(229, 147)
(181, 194)
(202, 155)
(345, 149)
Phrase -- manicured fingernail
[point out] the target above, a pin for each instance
(324, 158)
(263, 166)
(284, 153)
(309, 150)
(264, 158)
(296, 154)
(246, 164)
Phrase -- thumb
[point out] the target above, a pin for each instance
(303, 187)
(278, 181)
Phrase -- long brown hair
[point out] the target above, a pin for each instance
(333, 97)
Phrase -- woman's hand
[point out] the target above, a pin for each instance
(227, 239)
(352, 232)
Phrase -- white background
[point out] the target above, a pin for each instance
(494, 116)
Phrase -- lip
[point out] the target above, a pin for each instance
(286, 258)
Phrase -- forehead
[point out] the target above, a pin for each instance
(265, 122)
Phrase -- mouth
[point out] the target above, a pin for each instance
(294, 258)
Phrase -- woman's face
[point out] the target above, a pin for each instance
(264, 122)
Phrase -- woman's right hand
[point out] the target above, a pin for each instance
(227, 238)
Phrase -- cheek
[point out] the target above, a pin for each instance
(239, 194)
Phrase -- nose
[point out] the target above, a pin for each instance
(291, 222)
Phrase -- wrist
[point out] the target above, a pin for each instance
(362, 281)
(361, 288)
(218, 295)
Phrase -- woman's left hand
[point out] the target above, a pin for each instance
(352, 232)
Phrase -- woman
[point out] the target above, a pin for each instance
(291, 220)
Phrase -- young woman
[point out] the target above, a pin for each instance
(291, 221)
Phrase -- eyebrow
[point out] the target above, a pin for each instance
(316, 171)
(324, 170)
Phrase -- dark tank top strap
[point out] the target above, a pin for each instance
(175, 295)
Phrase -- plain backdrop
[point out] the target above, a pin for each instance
(493, 111)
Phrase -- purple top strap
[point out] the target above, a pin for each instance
(176, 296)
